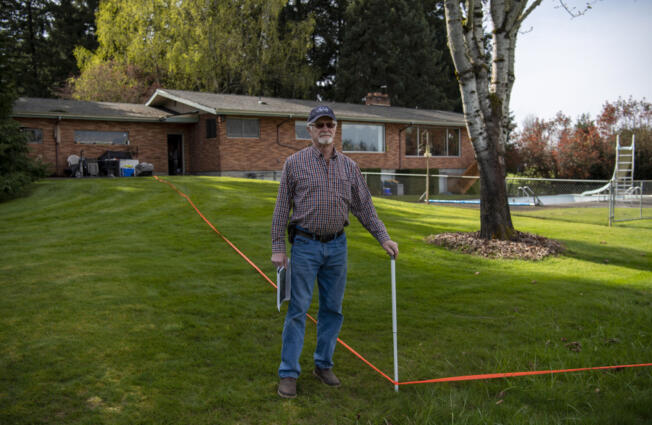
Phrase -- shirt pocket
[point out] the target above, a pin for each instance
(342, 188)
(305, 185)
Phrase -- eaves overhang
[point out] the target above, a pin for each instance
(161, 94)
(399, 121)
(64, 116)
(341, 117)
(169, 96)
(184, 119)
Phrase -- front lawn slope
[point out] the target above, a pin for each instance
(119, 305)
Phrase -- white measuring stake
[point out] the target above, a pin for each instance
(394, 330)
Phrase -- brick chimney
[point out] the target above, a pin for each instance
(377, 99)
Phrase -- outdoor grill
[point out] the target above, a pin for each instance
(109, 162)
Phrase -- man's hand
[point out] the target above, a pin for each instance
(391, 247)
(280, 259)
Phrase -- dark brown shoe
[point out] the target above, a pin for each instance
(327, 377)
(287, 387)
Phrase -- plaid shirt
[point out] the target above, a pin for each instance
(321, 196)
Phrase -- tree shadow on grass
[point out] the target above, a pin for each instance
(608, 255)
(598, 221)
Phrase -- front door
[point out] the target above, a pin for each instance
(175, 154)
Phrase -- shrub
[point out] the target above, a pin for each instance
(17, 169)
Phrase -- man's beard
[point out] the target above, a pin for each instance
(325, 140)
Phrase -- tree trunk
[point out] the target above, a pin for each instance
(495, 216)
(32, 49)
(486, 83)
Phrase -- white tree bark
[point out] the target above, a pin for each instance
(486, 82)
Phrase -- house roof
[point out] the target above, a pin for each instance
(223, 104)
(29, 107)
(230, 104)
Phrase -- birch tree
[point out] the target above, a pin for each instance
(486, 80)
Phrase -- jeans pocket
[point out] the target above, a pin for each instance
(301, 240)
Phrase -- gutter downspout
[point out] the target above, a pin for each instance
(278, 134)
(57, 141)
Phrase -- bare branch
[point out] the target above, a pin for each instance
(456, 37)
(527, 13)
(459, 45)
(513, 14)
(574, 12)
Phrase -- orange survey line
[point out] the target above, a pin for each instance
(217, 231)
(512, 374)
(355, 353)
(384, 375)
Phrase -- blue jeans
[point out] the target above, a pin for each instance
(327, 262)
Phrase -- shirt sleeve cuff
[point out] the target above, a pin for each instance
(279, 248)
(382, 238)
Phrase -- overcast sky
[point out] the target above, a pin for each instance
(575, 65)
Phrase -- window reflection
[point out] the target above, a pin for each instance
(34, 135)
(242, 127)
(301, 130)
(442, 141)
(363, 138)
(102, 137)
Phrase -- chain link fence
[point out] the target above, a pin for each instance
(521, 191)
(442, 187)
(634, 203)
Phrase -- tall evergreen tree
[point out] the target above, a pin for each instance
(72, 26)
(399, 44)
(26, 24)
(44, 34)
(446, 80)
(327, 39)
(17, 169)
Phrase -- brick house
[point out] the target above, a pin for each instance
(222, 134)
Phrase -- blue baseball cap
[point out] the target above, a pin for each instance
(321, 111)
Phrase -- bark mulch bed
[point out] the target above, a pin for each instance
(523, 246)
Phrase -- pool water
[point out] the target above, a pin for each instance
(529, 201)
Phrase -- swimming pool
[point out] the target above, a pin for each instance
(524, 201)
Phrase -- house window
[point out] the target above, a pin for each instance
(301, 130)
(437, 139)
(442, 141)
(412, 146)
(92, 137)
(363, 138)
(242, 127)
(453, 142)
(34, 135)
(211, 128)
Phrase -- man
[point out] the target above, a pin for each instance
(321, 186)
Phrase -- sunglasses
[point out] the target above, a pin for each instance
(322, 124)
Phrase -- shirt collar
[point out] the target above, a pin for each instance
(318, 153)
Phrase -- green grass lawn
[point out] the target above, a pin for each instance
(119, 305)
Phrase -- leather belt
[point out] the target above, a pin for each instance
(320, 238)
